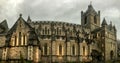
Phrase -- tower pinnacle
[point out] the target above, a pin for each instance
(90, 2)
(29, 19)
(20, 15)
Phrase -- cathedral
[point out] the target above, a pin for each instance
(53, 41)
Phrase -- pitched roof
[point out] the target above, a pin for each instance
(33, 38)
(14, 28)
(96, 30)
(104, 22)
(20, 19)
(4, 24)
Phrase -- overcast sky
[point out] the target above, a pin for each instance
(58, 10)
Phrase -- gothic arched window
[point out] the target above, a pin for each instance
(24, 39)
(48, 31)
(15, 40)
(71, 33)
(45, 30)
(85, 20)
(73, 50)
(60, 49)
(111, 55)
(95, 20)
(45, 49)
(83, 50)
(60, 31)
(57, 31)
(19, 38)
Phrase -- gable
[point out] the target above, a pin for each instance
(20, 25)
(21, 34)
(3, 27)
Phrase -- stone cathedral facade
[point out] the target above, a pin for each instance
(53, 41)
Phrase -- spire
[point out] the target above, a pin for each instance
(114, 27)
(110, 25)
(90, 2)
(4, 23)
(104, 22)
(90, 8)
(29, 19)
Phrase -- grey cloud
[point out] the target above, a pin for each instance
(58, 10)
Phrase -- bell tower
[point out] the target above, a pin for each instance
(90, 18)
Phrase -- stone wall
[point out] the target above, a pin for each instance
(2, 40)
(17, 52)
